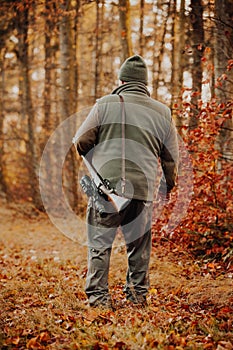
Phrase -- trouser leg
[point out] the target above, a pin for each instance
(137, 279)
(137, 234)
(101, 233)
(97, 276)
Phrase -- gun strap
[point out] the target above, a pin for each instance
(123, 180)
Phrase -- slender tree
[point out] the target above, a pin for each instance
(197, 38)
(67, 90)
(50, 50)
(3, 185)
(223, 45)
(125, 28)
(98, 48)
(76, 41)
(154, 53)
(5, 30)
(160, 53)
(141, 35)
(67, 59)
(27, 111)
(178, 57)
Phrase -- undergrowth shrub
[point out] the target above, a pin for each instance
(206, 230)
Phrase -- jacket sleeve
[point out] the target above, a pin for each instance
(169, 160)
(86, 136)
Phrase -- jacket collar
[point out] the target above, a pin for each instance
(132, 87)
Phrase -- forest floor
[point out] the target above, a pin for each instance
(43, 304)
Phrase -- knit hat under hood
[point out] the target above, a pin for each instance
(134, 69)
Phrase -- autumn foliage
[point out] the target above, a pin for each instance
(206, 230)
(42, 276)
(43, 304)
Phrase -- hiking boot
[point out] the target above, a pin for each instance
(137, 299)
(104, 305)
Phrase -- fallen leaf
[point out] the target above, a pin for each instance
(90, 316)
(224, 345)
(34, 344)
(13, 340)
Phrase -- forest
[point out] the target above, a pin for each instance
(56, 58)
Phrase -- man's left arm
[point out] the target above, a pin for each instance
(169, 162)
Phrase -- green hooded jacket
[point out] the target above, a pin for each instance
(150, 141)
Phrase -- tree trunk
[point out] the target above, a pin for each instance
(76, 48)
(27, 111)
(75, 163)
(141, 36)
(223, 53)
(47, 179)
(6, 27)
(155, 61)
(178, 59)
(156, 80)
(49, 57)
(66, 64)
(67, 98)
(98, 48)
(3, 185)
(125, 31)
(223, 48)
(197, 37)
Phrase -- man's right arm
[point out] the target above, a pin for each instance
(86, 136)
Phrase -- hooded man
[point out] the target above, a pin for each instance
(127, 136)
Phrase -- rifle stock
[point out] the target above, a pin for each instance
(118, 201)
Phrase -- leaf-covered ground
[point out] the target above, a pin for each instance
(43, 305)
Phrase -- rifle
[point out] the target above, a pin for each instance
(103, 189)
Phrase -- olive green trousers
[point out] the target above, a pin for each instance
(135, 224)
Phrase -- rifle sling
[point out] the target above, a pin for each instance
(123, 180)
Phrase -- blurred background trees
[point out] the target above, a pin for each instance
(58, 56)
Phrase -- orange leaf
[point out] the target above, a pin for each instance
(44, 337)
(15, 340)
(34, 344)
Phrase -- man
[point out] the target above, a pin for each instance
(125, 137)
